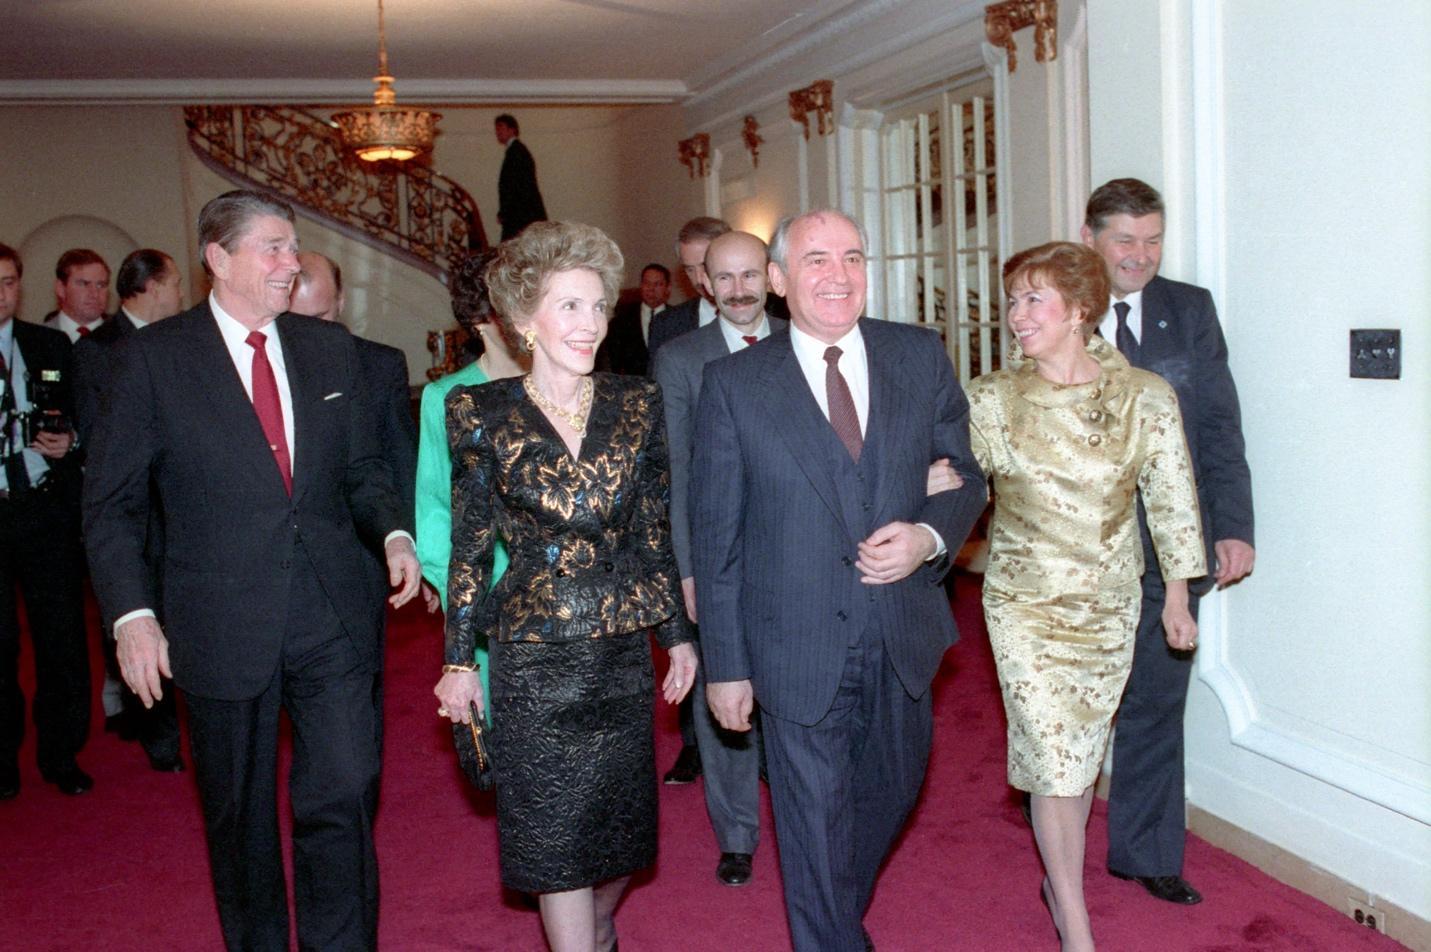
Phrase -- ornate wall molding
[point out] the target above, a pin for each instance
(750, 132)
(818, 98)
(1003, 20)
(695, 154)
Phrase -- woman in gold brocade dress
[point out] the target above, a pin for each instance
(1068, 439)
(569, 469)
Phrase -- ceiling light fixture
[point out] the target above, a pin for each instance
(383, 131)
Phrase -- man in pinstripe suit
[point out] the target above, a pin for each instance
(818, 560)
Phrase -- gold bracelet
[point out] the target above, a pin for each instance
(459, 668)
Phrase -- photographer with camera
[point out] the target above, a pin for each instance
(40, 547)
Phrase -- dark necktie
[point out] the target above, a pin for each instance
(750, 339)
(842, 406)
(1127, 343)
(269, 410)
(84, 330)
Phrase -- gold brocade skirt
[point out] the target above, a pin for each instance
(1063, 661)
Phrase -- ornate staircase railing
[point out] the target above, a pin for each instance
(411, 212)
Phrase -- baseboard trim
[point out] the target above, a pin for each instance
(1285, 867)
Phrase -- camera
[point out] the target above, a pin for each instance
(46, 413)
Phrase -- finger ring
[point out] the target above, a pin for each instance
(678, 683)
(443, 712)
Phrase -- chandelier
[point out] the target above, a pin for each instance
(382, 130)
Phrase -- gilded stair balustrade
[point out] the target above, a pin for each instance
(409, 211)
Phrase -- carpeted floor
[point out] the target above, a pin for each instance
(124, 867)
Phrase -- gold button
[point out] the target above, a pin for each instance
(1095, 415)
(1094, 440)
(1097, 392)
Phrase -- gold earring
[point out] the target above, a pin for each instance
(530, 339)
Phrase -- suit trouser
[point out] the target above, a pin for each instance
(1147, 799)
(329, 693)
(841, 790)
(40, 552)
(730, 773)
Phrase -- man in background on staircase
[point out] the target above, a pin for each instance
(150, 289)
(82, 292)
(519, 200)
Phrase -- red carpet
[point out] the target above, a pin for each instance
(124, 867)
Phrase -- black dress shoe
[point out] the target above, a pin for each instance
(167, 764)
(122, 724)
(9, 782)
(686, 768)
(869, 943)
(1167, 888)
(733, 869)
(69, 779)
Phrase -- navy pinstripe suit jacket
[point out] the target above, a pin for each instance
(779, 508)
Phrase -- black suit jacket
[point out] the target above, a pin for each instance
(385, 382)
(47, 352)
(779, 509)
(231, 530)
(519, 200)
(624, 351)
(93, 369)
(673, 322)
(1182, 342)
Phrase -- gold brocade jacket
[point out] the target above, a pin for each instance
(589, 539)
(1067, 463)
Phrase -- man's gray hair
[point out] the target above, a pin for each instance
(781, 239)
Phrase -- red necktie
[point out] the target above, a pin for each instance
(750, 339)
(843, 416)
(269, 410)
(84, 330)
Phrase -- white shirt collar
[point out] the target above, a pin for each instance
(735, 336)
(132, 319)
(1108, 326)
(810, 353)
(705, 313)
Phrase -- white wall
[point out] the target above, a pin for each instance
(1292, 146)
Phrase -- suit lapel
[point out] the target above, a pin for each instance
(218, 379)
(883, 418)
(1157, 339)
(302, 391)
(798, 420)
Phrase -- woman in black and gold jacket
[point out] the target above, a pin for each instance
(570, 470)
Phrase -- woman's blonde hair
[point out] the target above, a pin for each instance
(518, 277)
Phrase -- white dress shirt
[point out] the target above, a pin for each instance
(648, 312)
(705, 313)
(71, 327)
(1108, 326)
(35, 465)
(735, 336)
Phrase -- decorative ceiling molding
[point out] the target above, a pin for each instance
(1003, 20)
(339, 92)
(818, 99)
(695, 154)
(750, 133)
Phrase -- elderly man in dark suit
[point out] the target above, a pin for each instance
(252, 426)
(40, 554)
(1172, 329)
(150, 289)
(818, 560)
(519, 199)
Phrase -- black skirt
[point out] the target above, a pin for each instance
(576, 774)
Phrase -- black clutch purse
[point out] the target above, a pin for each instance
(474, 753)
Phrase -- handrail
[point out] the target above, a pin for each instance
(409, 211)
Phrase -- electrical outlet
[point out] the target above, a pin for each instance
(1365, 914)
(1376, 354)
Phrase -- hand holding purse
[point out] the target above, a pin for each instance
(473, 751)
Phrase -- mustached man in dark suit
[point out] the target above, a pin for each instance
(254, 429)
(40, 554)
(150, 289)
(519, 199)
(1172, 329)
(819, 557)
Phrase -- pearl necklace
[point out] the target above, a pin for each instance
(576, 420)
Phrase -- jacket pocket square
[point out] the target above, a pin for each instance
(334, 395)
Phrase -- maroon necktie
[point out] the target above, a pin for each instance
(84, 330)
(269, 410)
(842, 406)
(750, 339)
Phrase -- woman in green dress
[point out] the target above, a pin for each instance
(496, 359)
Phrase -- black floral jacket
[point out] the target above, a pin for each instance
(589, 538)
